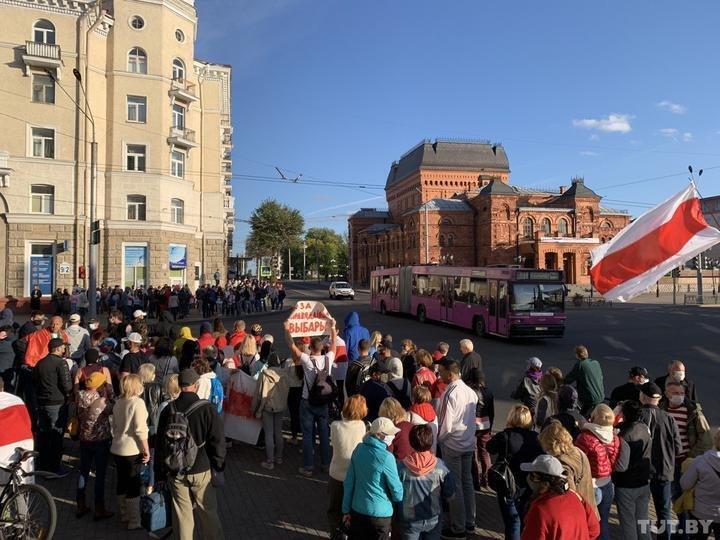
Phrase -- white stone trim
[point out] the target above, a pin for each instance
(545, 209)
(65, 7)
(568, 240)
(150, 225)
(30, 218)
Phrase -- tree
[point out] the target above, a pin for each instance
(326, 251)
(274, 227)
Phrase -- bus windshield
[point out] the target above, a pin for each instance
(537, 297)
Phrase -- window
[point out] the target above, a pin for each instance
(136, 207)
(177, 211)
(451, 240)
(563, 227)
(137, 109)
(135, 157)
(137, 61)
(177, 164)
(43, 142)
(442, 240)
(44, 32)
(179, 35)
(545, 227)
(178, 115)
(42, 199)
(43, 89)
(528, 228)
(178, 70)
(137, 22)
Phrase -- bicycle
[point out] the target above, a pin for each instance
(27, 511)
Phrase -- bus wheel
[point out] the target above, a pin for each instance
(421, 315)
(383, 310)
(479, 326)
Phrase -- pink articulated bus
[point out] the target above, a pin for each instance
(504, 301)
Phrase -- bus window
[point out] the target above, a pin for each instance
(420, 285)
(393, 285)
(502, 299)
(478, 291)
(462, 290)
(492, 293)
(435, 286)
(542, 297)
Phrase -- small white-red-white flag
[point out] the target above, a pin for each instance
(657, 242)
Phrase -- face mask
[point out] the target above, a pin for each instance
(676, 401)
(94, 326)
(678, 376)
(388, 439)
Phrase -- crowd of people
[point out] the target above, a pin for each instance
(406, 435)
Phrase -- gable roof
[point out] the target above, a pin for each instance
(449, 154)
(442, 205)
(497, 187)
(578, 189)
(374, 213)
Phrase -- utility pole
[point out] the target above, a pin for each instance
(698, 268)
(304, 249)
(289, 266)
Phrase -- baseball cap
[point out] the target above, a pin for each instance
(383, 425)
(96, 380)
(74, 317)
(54, 343)
(638, 371)
(534, 362)
(108, 344)
(545, 464)
(139, 313)
(134, 337)
(188, 377)
(652, 390)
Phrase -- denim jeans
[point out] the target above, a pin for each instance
(607, 495)
(272, 425)
(314, 417)
(462, 506)
(52, 420)
(422, 529)
(632, 507)
(99, 453)
(662, 498)
(510, 511)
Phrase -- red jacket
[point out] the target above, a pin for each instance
(560, 517)
(37, 345)
(237, 338)
(602, 457)
(205, 340)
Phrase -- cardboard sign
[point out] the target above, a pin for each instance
(309, 319)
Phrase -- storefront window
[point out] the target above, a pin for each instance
(136, 262)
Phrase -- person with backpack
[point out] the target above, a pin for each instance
(190, 459)
(515, 445)
(269, 404)
(374, 391)
(399, 385)
(703, 476)
(358, 370)
(395, 412)
(209, 386)
(528, 390)
(319, 390)
(569, 413)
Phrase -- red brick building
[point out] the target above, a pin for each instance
(450, 202)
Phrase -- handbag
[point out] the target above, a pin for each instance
(73, 422)
(500, 477)
(156, 510)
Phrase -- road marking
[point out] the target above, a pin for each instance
(709, 328)
(617, 358)
(611, 321)
(298, 291)
(707, 353)
(618, 344)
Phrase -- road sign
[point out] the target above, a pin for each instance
(64, 268)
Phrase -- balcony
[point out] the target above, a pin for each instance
(229, 204)
(42, 55)
(183, 90)
(228, 182)
(4, 169)
(227, 140)
(226, 168)
(227, 156)
(182, 137)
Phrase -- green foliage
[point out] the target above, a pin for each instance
(273, 227)
(328, 248)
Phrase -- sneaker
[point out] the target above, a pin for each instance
(450, 535)
(267, 465)
(470, 530)
(278, 461)
(305, 472)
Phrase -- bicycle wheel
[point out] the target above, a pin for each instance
(29, 514)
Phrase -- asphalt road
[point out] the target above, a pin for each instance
(620, 337)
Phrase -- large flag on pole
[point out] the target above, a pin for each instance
(657, 242)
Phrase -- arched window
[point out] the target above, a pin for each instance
(606, 226)
(590, 214)
(546, 227)
(506, 212)
(445, 221)
(442, 240)
(528, 228)
(177, 211)
(451, 240)
(137, 60)
(178, 70)
(563, 227)
(44, 32)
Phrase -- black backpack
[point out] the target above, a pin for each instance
(401, 394)
(323, 390)
(500, 477)
(181, 448)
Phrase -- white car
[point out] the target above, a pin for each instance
(341, 289)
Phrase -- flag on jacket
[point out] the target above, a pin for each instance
(16, 432)
(657, 242)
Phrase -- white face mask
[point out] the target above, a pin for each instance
(388, 439)
(678, 376)
(676, 401)
(94, 326)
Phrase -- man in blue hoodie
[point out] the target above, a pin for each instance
(352, 334)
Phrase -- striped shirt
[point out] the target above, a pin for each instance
(680, 415)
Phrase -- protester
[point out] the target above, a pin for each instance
(352, 334)
(92, 365)
(556, 441)
(394, 411)
(296, 377)
(7, 357)
(178, 344)
(426, 484)
(602, 448)
(484, 419)
(516, 444)
(206, 337)
(424, 375)
(470, 359)
(130, 447)
(456, 435)
(166, 327)
(375, 341)
(248, 354)
(399, 385)
(269, 404)
(569, 414)
(238, 334)
(95, 433)
(422, 412)
(372, 484)
(695, 437)
(205, 383)
(78, 338)
(196, 487)
(632, 474)
(556, 512)
(703, 476)
(357, 372)
(588, 376)
(220, 333)
(408, 349)
(528, 390)
(389, 362)
(631, 389)
(345, 435)
(547, 404)
(52, 386)
(135, 357)
(676, 373)
(165, 362)
(153, 395)
(374, 391)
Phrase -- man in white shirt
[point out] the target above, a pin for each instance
(79, 338)
(456, 435)
(316, 366)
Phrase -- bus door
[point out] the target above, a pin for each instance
(492, 305)
(502, 308)
(448, 299)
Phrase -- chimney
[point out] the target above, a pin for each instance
(563, 189)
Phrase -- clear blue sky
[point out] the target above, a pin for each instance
(336, 90)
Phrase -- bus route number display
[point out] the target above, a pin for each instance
(538, 275)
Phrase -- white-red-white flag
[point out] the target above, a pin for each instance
(657, 242)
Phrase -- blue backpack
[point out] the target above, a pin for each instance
(217, 394)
